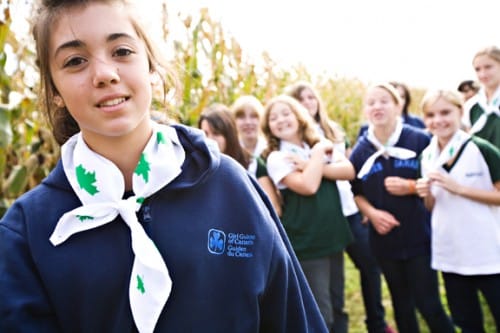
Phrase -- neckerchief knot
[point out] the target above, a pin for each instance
(99, 185)
(387, 150)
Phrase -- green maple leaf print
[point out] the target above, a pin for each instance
(84, 217)
(140, 284)
(160, 138)
(143, 168)
(86, 180)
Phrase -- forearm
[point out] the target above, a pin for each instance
(308, 180)
(364, 205)
(342, 170)
(274, 196)
(488, 197)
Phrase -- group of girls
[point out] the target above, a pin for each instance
(407, 178)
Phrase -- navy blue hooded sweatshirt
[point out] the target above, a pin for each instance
(231, 264)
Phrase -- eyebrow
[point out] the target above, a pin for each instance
(78, 43)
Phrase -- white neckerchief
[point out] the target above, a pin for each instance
(303, 152)
(433, 158)
(488, 108)
(99, 185)
(388, 149)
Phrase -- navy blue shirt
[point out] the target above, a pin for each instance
(408, 119)
(412, 237)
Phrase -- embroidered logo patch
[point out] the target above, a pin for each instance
(216, 241)
(236, 245)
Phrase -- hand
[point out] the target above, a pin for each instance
(446, 182)
(383, 221)
(324, 146)
(423, 187)
(398, 185)
(298, 163)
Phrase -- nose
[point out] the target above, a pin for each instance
(104, 73)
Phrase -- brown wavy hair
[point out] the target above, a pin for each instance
(47, 12)
(306, 127)
(332, 130)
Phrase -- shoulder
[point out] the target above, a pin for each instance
(362, 130)
(362, 145)
(471, 102)
(37, 211)
(490, 154)
(415, 138)
(485, 146)
(414, 121)
(276, 157)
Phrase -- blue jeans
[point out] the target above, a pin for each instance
(462, 293)
(413, 284)
(360, 253)
(326, 279)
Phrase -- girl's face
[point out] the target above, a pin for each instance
(380, 107)
(283, 123)
(212, 134)
(442, 118)
(309, 101)
(101, 72)
(487, 71)
(247, 123)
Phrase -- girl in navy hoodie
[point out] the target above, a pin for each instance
(141, 227)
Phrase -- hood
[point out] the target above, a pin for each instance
(201, 161)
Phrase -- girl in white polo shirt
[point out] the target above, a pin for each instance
(298, 162)
(461, 184)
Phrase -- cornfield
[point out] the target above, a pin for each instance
(210, 67)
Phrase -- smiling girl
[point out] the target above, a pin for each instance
(299, 164)
(461, 185)
(386, 162)
(135, 228)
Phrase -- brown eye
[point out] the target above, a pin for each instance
(123, 52)
(73, 62)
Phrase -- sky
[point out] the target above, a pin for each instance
(424, 43)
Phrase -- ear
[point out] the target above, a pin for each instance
(58, 101)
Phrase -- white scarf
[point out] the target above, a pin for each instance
(99, 185)
(387, 150)
(303, 152)
(433, 158)
(488, 108)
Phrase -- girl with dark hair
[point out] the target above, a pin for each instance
(218, 124)
(141, 226)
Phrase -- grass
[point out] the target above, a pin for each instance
(355, 309)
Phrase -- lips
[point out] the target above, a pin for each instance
(112, 102)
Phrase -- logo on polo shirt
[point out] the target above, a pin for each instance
(232, 244)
